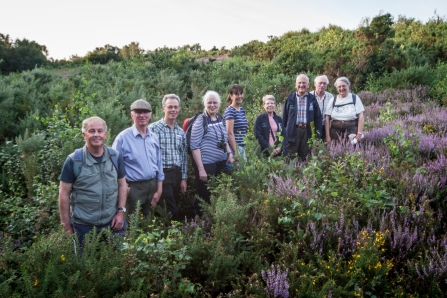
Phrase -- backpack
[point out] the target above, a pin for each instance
(187, 127)
(78, 156)
(354, 98)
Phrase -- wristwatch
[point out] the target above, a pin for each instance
(122, 209)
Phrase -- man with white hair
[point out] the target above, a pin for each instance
(300, 111)
(322, 96)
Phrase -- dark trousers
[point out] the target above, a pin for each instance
(141, 191)
(300, 145)
(81, 230)
(171, 191)
(202, 186)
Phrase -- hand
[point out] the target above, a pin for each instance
(203, 175)
(358, 137)
(118, 221)
(69, 229)
(155, 199)
(328, 139)
(230, 158)
(183, 186)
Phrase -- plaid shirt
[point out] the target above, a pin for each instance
(172, 145)
(301, 112)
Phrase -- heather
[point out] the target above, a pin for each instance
(363, 220)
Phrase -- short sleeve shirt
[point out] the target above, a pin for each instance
(347, 111)
(240, 123)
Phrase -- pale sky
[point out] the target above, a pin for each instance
(68, 27)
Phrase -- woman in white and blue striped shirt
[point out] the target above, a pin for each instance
(210, 149)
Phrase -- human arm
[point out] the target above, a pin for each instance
(183, 185)
(259, 135)
(118, 219)
(64, 205)
(361, 123)
(231, 139)
(327, 127)
(230, 158)
(157, 194)
(197, 155)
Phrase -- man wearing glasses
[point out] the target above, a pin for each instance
(141, 153)
(323, 97)
(174, 154)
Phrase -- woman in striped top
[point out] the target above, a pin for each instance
(210, 149)
(235, 120)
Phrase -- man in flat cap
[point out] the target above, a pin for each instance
(141, 153)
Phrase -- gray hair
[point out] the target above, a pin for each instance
(302, 75)
(169, 96)
(207, 96)
(268, 96)
(342, 79)
(322, 76)
(87, 121)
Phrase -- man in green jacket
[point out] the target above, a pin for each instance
(93, 188)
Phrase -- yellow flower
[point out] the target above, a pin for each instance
(62, 257)
(266, 201)
(288, 199)
(36, 282)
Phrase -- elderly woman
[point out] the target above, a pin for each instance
(344, 113)
(267, 127)
(210, 149)
(235, 120)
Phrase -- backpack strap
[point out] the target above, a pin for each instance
(114, 157)
(78, 160)
(354, 99)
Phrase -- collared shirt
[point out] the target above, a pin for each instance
(301, 103)
(141, 154)
(172, 145)
(323, 102)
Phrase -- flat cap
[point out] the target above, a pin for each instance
(141, 104)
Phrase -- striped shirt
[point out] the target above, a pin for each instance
(207, 143)
(301, 113)
(240, 123)
(172, 145)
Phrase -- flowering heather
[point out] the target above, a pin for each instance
(435, 264)
(277, 285)
(432, 176)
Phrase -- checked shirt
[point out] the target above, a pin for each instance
(172, 145)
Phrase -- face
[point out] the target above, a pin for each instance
(171, 109)
(321, 85)
(95, 135)
(212, 106)
(302, 85)
(237, 98)
(269, 105)
(141, 118)
(342, 88)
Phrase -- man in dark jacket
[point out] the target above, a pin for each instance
(300, 110)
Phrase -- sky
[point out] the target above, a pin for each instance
(69, 27)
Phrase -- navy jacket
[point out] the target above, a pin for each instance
(290, 112)
(262, 129)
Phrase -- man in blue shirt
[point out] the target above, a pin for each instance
(174, 153)
(142, 158)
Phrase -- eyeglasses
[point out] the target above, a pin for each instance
(172, 107)
(209, 103)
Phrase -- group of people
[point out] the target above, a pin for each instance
(148, 163)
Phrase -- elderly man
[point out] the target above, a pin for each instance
(142, 157)
(93, 183)
(300, 110)
(323, 97)
(173, 152)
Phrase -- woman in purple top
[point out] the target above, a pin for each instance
(235, 120)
